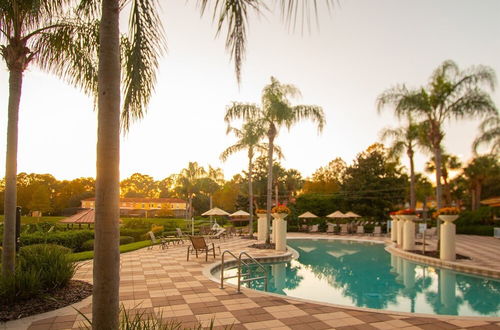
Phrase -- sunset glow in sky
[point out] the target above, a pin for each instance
(362, 48)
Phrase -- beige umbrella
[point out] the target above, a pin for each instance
(215, 211)
(308, 215)
(352, 215)
(336, 214)
(240, 213)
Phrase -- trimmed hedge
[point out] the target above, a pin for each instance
(136, 234)
(89, 245)
(72, 239)
(475, 230)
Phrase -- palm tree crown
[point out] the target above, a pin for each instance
(275, 111)
(489, 134)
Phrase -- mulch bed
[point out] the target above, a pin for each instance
(248, 237)
(435, 254)
(74, 292)
(263, 246)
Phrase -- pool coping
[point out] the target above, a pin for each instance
(293, 254)
(453, 265)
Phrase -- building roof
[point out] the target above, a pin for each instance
(145, 200)
(86, 216)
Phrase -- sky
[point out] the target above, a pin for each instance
(361, 48)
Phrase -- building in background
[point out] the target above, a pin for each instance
(146, 207)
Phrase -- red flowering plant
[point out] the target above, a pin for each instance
(446, 211)
(406, 212)
(261, 211)
(280, 209)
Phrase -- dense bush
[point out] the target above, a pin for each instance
(475, 230)
(136, 234)
(482, 216)
(136, 224)
(72, 239)
(89, 245)
(40, 268)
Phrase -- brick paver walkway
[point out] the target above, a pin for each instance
(162, 281)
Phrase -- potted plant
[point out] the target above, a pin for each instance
(280, 211)
(407, 214)
(447, 214)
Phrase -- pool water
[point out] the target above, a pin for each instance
(362, 274)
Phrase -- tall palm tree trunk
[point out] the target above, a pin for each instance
(105, 300)
(250, 190)
(439, 190)
(271, 135)
(477, 195)
(10, 201)
(413, 198)
(276, 193)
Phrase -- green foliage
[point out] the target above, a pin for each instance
(136, 224)
(89, 245)
(136, 234)
(40, 269)
(72, 239)
(475, 230)
(85, 255)
(481, 216)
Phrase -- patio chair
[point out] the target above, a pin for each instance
(304, 228)
(431, 232)
(154, 241)
(219, 235)
(377, 230)
(180, 234)
(231, 231)
(244, 231)
(198, 244)
(330, 228)
(204, 230)
(344, 230)
(314, 229)
(360, 230)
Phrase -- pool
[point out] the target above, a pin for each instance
(363, 274)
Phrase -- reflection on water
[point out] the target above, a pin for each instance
(365, 275)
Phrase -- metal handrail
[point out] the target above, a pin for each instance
(240, 262)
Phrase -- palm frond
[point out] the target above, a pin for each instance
(312, 112)
(489, 134)
(140, 53)
(232, 150)
(473, 102)
(245, 111)
(70, 50)
(233, 16)
(300, 11)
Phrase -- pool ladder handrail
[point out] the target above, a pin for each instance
(240, 262)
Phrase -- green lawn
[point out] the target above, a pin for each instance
(79, 256)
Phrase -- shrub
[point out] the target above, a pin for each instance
(50, 261)
(72, 239)
(475, 230)
(40, 268)
(482, 216)
(89, 245)
(135, 233)
(136, 224)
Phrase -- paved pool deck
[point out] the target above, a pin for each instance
(163, 282)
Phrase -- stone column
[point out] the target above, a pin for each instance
(394, 228)
(447, 237)
(408, 232)
(399, 236)
(279, 230)
(262, 226)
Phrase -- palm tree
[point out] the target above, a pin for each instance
(275, 112)
(46, 34)
(489, 134)
(293, 182)
(249, 137)
(188, 183)
(451, 94)
(404, 139)
(448, 162)
(478, 171)
(141, 53)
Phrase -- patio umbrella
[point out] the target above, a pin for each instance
(308, 215)
(336, 214)
(240, 217)
(352, 215)
(240, 213)
(215, 211)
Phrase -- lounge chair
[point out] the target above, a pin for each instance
(180, 234)
(431, 232)
(330, 228)
(198, 244)
(344, 230)
(360, 230)
(304, 228)
(154, 241)
(314, 229)
(221, 233)
(204, 230)
(377, 230)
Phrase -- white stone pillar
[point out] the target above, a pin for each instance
(447, 237)
(262, 226)
(394, 229)
(279, 229)
(409, 232)
(400, 231)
